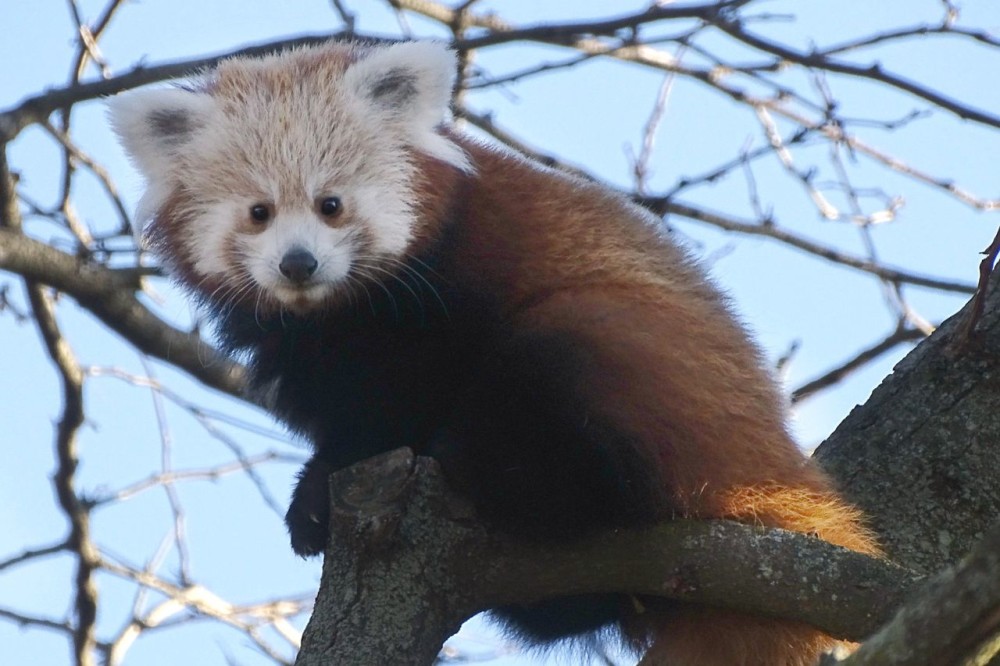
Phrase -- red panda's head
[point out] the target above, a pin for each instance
(281, 181)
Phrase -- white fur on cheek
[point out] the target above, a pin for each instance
(331, 247)
(210, 228)
(389, 219)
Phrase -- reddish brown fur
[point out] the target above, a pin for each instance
(566, 256)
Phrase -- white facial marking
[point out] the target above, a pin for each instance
(286, 131)
(209, 234)
(390, 220)
(332, 247)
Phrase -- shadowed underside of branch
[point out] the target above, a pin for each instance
(408, 562)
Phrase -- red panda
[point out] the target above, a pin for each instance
(393, 282)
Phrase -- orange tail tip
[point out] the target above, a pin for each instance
(689, 635)
(820, 513)
(697, 636)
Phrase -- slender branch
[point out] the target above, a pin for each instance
(873, 72)
(346, 16)
(640, 162)
(110, 296)
(64, 479)
(37, 108)
(981, 36)
(29, 621)
(666, 207)
(899, 336)
(75, 154)
(568, 33)
(174, 476)
(643, 54)
(33, 554)
(77, 511)
(87, 51)
(448, 16)
(198, 412)
(205, 603)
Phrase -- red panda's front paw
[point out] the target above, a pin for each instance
(308, 515)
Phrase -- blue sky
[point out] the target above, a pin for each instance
(590, 117)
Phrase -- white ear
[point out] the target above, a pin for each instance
(411, 81)
(155, 125)
(410, 84)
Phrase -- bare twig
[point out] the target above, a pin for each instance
(173, 476)
(77, 156)
(77, 511)
(874, 72)
(666, 207)
(25, 620)
(640, 163)
(345, 16)
(33, 554)
(899, 336)
(37, 108)
(110, 296)
(966, 331)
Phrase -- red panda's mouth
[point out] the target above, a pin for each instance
(301, 299)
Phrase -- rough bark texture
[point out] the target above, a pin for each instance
(386, 596)
(951, 620)
(922, 456)
(408, 562)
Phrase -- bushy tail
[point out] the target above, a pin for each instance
(687, 635)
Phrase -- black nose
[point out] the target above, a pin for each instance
(298, 265)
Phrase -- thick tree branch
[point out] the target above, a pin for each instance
(952, 620)
(409, 561)
(921, 456)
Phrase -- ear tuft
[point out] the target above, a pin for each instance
(394, 89)
(153, 125)
(409, 85)
(408, 80)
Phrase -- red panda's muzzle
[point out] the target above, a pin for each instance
(298, 265)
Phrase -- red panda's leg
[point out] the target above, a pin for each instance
(308, 513)
(524, 443)
(541, 462)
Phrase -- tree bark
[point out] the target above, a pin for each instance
(922, 456)
(409, 561)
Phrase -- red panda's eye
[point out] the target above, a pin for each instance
(260, 213)
(330, 206)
